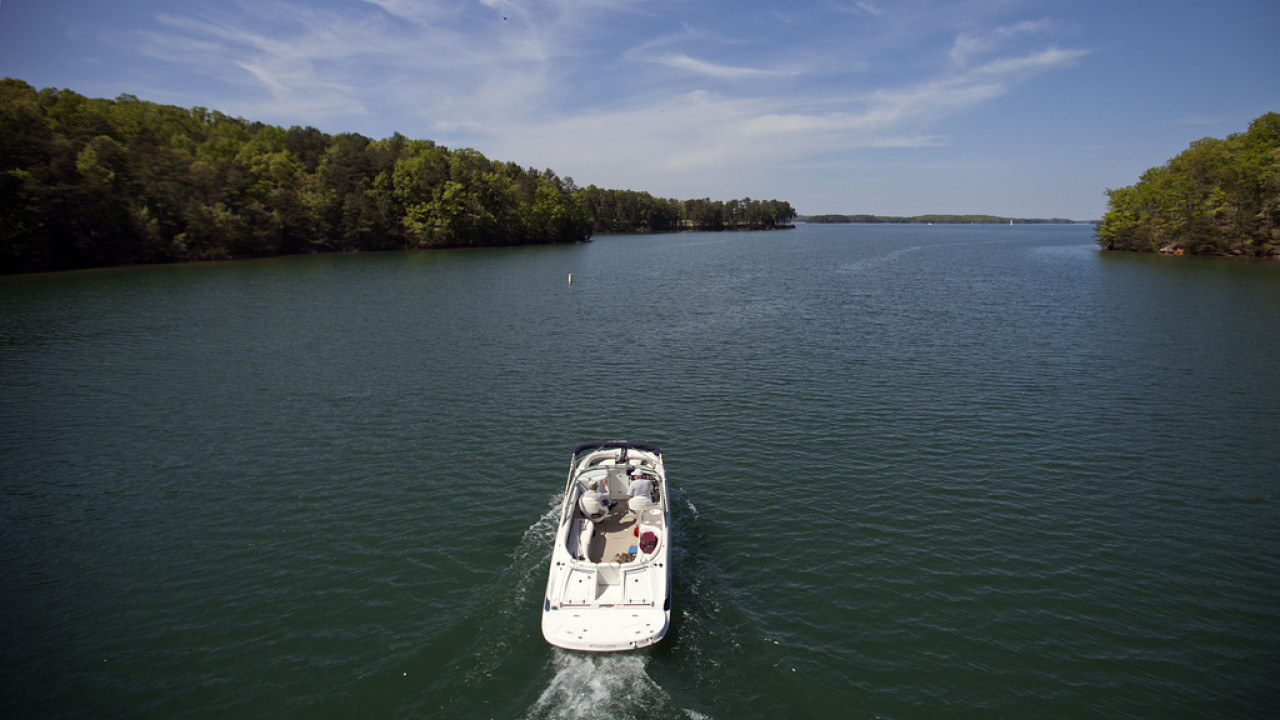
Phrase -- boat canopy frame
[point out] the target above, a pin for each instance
(571, 493)
(606, 444)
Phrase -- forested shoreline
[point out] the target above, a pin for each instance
(89, 182)
(1217, 197)
(939, 219)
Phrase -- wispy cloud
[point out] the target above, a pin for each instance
(869, 8)
(417, 11)
(710, 69)
(325, 63)
(969, 45)
(680, 142)
(859, 7)
(532, 82)
(279, 71)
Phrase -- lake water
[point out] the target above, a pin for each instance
(918, 472)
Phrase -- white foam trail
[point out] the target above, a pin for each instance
(543, 530)
(529, 559)
(613, 687)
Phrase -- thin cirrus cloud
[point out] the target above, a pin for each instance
(700, 134)
(263, 74)
(715, 70)
(968, 45)
(530, 82)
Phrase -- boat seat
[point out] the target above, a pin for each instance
(638, 505)
(593, 510)
(585, 535)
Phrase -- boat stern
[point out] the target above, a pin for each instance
(603, 629)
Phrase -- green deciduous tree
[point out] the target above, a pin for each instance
(87, 182)
(1217, 197)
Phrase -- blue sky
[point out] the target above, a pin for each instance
(1027, 108)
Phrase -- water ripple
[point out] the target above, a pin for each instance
(917, 472)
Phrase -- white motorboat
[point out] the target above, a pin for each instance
(609, 587)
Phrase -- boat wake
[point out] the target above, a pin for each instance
(616, 686)
(531, 554)
(600, 686)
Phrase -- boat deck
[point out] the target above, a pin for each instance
(614, 535)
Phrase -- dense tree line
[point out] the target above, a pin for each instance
(631, 211)
(92, 182)
(940, 219)
(1218, 197)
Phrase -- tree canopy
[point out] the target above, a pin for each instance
(621, 211)
(1218, 197)
(90, 182)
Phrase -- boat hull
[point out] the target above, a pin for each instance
(609, 582)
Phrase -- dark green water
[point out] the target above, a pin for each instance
(919, 472)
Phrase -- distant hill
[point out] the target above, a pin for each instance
(940, 219)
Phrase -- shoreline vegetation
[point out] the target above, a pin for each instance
(88, 182)
(939, 219)
(1217, 198)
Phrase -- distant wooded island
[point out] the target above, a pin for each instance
(1218, 197)
(87, 182)
(940, 219)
